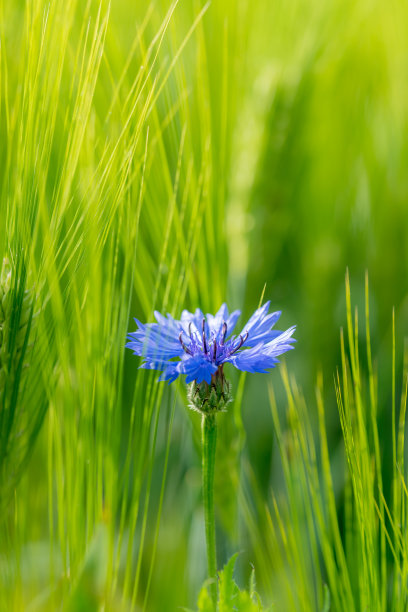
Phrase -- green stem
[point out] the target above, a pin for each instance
(209, 442)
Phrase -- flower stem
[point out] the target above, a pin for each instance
(209, 442)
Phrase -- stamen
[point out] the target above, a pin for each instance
(224, 333)
(189, 329)
(187, 350)
(204, 342)
(215, 349)
(241, 342)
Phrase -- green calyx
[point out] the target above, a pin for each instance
(210, 398)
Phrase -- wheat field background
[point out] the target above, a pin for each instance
(159, 155)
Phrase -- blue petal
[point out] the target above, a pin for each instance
(231, 321)
(258, 316)
(156, 364)
(196, 321)
(262, 357)
(169, 324)
(155, 341)
(197, 368)
(170, 373)
(215, 322)
(259, 326)
(281, 344)
(253, 360)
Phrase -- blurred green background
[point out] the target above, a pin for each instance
(208, 150)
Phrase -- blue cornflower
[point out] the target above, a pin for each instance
(199, 346)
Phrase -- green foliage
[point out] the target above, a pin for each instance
(230, 596)
(88, 594)
(165, 155)
(104, 204)
(19, 422)
(303, 538)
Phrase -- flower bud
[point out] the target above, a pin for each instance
(210, 398)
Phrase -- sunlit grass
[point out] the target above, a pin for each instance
(348, 556)
(170, 155)
(83, 180)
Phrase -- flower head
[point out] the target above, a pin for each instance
(199, 346)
